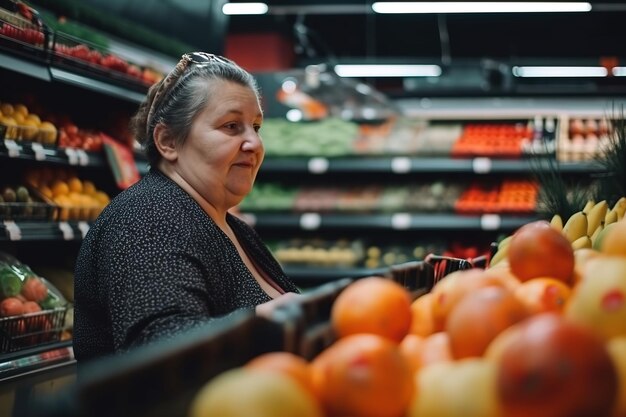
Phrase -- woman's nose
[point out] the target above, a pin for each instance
(252, 141)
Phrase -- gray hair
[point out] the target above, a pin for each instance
(189, 95)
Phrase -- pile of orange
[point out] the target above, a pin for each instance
(542, 333)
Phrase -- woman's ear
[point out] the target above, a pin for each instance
(165, 143)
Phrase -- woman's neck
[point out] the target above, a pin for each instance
(217, 214)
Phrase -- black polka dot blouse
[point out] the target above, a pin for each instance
(154, 264)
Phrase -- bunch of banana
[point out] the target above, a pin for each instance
(583, 227)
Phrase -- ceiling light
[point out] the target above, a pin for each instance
(345, 70)
(534, 72)
(619, 71)
(244, 8)
(479, 7)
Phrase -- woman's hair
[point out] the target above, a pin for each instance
(189, 95)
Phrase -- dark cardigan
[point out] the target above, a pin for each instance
(154, 264)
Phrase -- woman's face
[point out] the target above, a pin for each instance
(223, 153)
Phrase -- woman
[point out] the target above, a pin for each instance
(166, 255)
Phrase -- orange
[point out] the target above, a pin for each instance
(550, 366)
(422, 323)
(538, 250)
(75, 185)
(363, 375)
(372, 305)
(435, 349)
(462, 388)
(285, 363)
(60, 188)
(411, 347)
(242, 393)
(450, 291)
(543, 294)
(479, 318)
(89, 188)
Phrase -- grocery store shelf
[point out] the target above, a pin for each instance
(408, 165)
(42, 231)
(88, 83)
(33, 151)
(29, 363)
(392, 222)
(312, 275)
(43, 71)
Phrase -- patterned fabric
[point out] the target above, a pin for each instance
(154, 264)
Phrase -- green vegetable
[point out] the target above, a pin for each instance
(10, 282)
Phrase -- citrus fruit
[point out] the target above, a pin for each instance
(372, 305)
(363, 375)
(538, 250)
(543, 294)
(285, 363)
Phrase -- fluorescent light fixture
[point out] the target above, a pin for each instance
(347, 70)
(480, 7)
(534, 72)
(619, 71)
(244, 8)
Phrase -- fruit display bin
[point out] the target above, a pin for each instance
(32, 329)
(162, 379)
(22, 35)
(80, 56)
(38, 207)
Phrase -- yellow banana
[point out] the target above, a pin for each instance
(582, 242)
(595, 234)
(620, 207)
(611, 217)
(596, 215)
(500, 255)
(588, 206)
(557, 222)
(576, 226)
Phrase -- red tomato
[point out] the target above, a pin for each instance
(551, 367)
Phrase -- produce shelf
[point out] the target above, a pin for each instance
(409, 165)
(43, 231)
(397, 221)
(34, 151)
(313, 275)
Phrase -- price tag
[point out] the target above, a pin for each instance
(12, 147)
(310, 221)
(481, 165)
(13, 230)
(40, 153)
(318, 165)
(401, 165)
(66, 230)
(490, 222)
(84, 228)
(401, 221)
(72, 157)
(83, 158)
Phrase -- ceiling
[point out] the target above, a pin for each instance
(328, 30)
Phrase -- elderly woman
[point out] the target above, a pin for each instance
(166, 255)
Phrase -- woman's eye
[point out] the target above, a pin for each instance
(257, 128)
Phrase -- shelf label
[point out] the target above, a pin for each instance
(490, 222)
(318, 165)
(12, 147)
(40, 153)
(83, 158)
(401, 221)
(84, 228)
(13, 230)
(401, 165)
(481, 165)
(66, 230)
(310, 221)
(72, 157)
